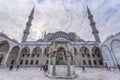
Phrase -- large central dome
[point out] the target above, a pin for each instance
(60, 35)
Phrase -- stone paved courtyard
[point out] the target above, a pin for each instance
(34, 73)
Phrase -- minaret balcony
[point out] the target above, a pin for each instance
(92, 24)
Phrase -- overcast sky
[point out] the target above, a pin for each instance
(55, 15)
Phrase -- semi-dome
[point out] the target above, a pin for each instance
(61, 40)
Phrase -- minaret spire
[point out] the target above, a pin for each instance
(44, 34)
(95, 32)
(28, 25)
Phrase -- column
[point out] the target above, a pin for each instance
(91, 57)
(17, 60)
(49, 63)
(29, 59)
(6, 58)
(68, 66)
(54, 66)
(43, 59)
(73, 65)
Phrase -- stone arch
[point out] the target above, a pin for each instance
(4, 48)
(63, 46)
(37, 54)
(85, 56)
(115, 48)
(61, 56)
(37, 51)
(84, 51)
(13, 55)
(23, 55)
(96, 54)
(45, 55)
(107, 56)
(96, 50)
(46, 51)
(25, 50)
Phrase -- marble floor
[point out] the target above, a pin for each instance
(33, 73)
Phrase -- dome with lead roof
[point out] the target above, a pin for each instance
(61, 40)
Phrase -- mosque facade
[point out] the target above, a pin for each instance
(58, 44)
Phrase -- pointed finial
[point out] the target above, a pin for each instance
(88, 10)
(32, 12)
(33, 9)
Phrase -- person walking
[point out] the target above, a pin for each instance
(118, 67)
(109, 67)
(83, 68)
(106, 66)
(41, 67)
(17, 67)
(11, 67)
(44, 68)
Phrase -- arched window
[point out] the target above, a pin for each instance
(96, 51)
(84, 62)
(100, 62)
(85, 52)
(36, 62)
(36, 52)
(32, 55)
(25, 51)
(37, 55)
(21, 62)
(95, 63)
(28, 55)
(26, 62)
(23, 55)
(89, 62)
(31, 62)
(12, 62)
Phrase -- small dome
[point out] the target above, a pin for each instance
(81, 40)
(3, 34)
(61, 40)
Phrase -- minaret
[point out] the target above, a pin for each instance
(95, 32)
(28, 25)
(44, 34)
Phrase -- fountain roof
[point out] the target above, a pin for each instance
(3, 34)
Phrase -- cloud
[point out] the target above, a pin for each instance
(53, 15)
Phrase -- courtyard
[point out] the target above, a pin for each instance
(34, 73)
